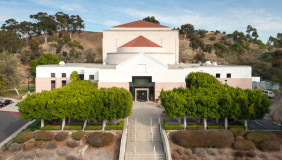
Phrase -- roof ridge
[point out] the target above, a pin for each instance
(140, 41)
(145, 39)
(140, 24)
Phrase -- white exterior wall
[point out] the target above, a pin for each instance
(45, 72)
(113, 39)
(140, 49)
(256, 79)
(118, 58)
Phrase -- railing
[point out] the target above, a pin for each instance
(163, 140)
(123, 142)
(135, 128)
(155, 153)
(152, 130)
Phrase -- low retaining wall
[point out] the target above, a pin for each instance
(123, 142)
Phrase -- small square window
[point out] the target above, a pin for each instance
(217, 75)
(52, 74)
(81, 76)
(63, 74)
(64, 83)
(228, 75)
(91, 77)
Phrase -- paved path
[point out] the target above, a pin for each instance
(10, 107)
(144, 113)
(9, 123)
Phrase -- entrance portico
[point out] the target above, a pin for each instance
(141, 94)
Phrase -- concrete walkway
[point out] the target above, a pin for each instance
(142, 115)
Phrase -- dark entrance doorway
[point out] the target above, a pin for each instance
(142, 83)
(141, 96)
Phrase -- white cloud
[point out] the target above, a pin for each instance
(105, 22)
(60, 5)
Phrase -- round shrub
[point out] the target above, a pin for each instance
(251, 154)
(258, 136)
(16, 147)
(194, 156)
(51, 145)
(78, 135)
(49, 154)
(180, 151)
(272, 136)
(28, 145)
(24, 136)
(238, 131)
(204, 138)
(185, 157)
(29, 154)
(49, 136)
(40, 144)
(38, 136)
(249, 145)
(201, 152)
(72, 144)
(71, 157)
(212, 151)
(268, 146)
(239, 138)
(188, 152)
(18, 156)
(238, 145)
(175, 155)
(100, 139)
(39, 153)
(63, 151)
(61, 136)
(240, 154)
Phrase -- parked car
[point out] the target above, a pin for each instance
(268, 93)
(4, 103)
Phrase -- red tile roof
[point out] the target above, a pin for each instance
(140, 24)
(140, 42)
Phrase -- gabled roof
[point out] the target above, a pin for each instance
(140, 24)
(140, 42)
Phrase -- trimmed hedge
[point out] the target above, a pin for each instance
(195, 127)
(93, 128)
(78, 135)
(217, 138)
(268, 146)
(245, 145)
(51, 128)
(72, 128)
(23, 136)
(172, 127)
(238, 131)
(115, 127)
(215, 127)
(258, 136)
(100, 139)
(240, 123)
(236, 126)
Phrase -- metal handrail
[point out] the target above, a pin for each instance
(155, 153)
(162, 136)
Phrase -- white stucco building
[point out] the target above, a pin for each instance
(141, 57)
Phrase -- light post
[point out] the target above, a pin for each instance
(28, 84)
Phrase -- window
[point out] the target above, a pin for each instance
(81, 76)
(217, 75)
(228, 75)
(52, 74)
(91, 77)
(64, 83)
(53, 85)
(63, 74)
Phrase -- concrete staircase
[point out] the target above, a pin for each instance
(144, 145)
(143, 133)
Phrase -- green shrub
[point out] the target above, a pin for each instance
(72, 128)
(268, 146)
(238, 131)
(78, 135)
(52, 39)
(212, 38)
(195, 127)
(245, 145)
(115, 127)
(24, 136)
(49, 136)
(61, 136)
(215, 127)
(100, 139)
(258, 136)
(93, 128)
(240, 123)
(38, 136)
(36, 125)
(51, 128)
(172, 127)
(217, 138)
(66, 39)
(236, 126)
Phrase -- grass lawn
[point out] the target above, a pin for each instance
(13, 93)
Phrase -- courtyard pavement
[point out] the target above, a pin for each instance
(10, 107)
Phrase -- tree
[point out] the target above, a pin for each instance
(10, 25)
(74, 54)
(45, 59)
(62, 21)
(187, 30)
(25, 28)
(75, 24)
(239, 37)
(44, 23)
(202, 33)
(2, 84)
(151, 19)
(276, 112)
(9, 69)
(74, 76)
(10, 41)
(90, 56)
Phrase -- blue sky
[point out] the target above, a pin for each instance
(99, 15)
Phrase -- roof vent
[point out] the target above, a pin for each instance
(214, 63)
(208, 63)
(104, 63)
(61, 63)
